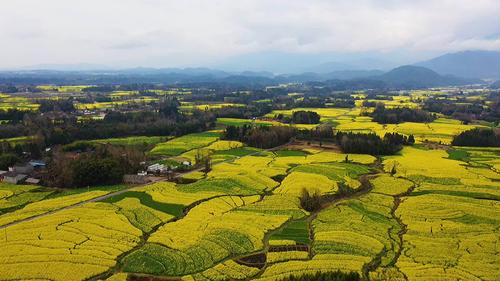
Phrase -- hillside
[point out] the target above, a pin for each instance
(496, 85)
(470, 64)
(409, 76)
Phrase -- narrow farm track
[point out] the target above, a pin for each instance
(404, 227)
(109, 195)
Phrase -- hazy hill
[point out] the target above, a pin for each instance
(353, 74)
(496, 85)
(409, 76)
(401, 77)
(470, 64)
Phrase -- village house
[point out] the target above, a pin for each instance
(23, 173)
(157, 169)
(14, 178)
(22, 169)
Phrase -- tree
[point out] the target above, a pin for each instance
(203, 160)
(310, 202)
(106, 164)
(411, 140)
(169, 107)
(344, 189)
(7, 160)
(207, 164)
(394, 167)
(89, 171)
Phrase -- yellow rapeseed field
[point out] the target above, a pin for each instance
(74, 244)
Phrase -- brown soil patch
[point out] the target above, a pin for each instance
(325, 146)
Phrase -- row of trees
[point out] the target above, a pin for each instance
(325, 276)
(398, 115)
(478, 137)
(367, 143)
(12, 115)
(465, 110)
(260, 136)
(64, 105)
(56, 128)
(300, 117)
(31, 147)
(371, 143)
(349, 142)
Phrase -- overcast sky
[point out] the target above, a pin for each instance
(168, 33)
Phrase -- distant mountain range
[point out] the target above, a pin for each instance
(469, 64)
(402, 77)
(447, 70)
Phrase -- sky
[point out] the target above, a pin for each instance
(236, 33)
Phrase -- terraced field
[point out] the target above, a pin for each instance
(425, 214)
(185, 143)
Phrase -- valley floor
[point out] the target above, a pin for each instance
(422, 215)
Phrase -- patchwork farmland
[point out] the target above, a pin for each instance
(166, 186)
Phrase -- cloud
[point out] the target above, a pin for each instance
(128, 45)
(197, 32)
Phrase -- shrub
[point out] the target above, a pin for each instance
(7, 160)
(310, 202)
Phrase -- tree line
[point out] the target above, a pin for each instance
(325, 276)
(349, 142)
(371, 143)
(260, 136)
(300, 117)
(397, 115)
(464, 110)
(478, 137)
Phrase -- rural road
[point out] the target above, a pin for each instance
(106, 196)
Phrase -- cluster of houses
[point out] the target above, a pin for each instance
(23, 174)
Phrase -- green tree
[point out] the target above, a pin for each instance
(8, 160)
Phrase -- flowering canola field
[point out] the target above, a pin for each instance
(419, 215)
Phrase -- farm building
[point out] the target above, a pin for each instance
(32, 181)
(14, 178)
(157, 168)
(22, 169)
